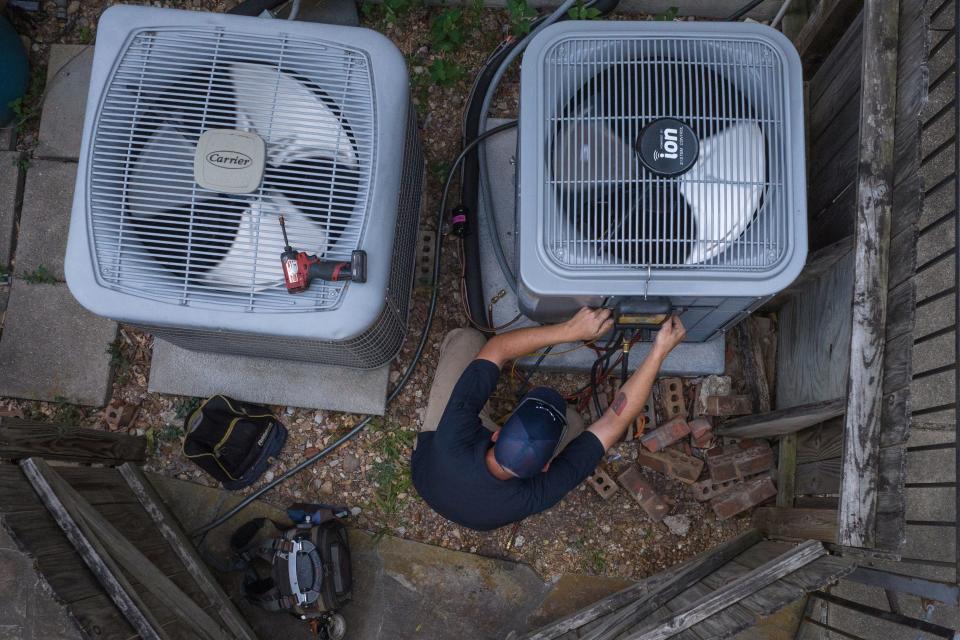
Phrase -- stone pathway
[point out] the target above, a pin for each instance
(50, 347)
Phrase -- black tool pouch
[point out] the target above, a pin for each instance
(232, 441)
(309, 567)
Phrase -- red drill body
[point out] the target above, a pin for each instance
(300, 268)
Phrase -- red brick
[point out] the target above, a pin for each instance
(743, 496)
(602, 483)
(666, 434)
(671, 395)
(706, 490)
(729, 406)
(672, 464)
(737, 462)
(641, 490)
(701, 431)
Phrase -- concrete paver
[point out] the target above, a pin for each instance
(61, 123)
(27, 609)
(182, 372)
(45, 218)
(9, 197)
(52, 348)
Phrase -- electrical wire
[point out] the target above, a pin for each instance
(782, 12)
(744, 10)
(465, 307)
(294, 9)
(431, 310)
(486, 191)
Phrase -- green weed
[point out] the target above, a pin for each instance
(185, 407)
(668, 15)
(393, 9)
(120, 360)
(392, 473)
(40, 275)
(65, 412)
(445, 73)
(521, 16)
(446, 30)
(582, 12)
(85, 35)
(26, 109)
(598, 562)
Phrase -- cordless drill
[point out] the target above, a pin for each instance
(300, 268)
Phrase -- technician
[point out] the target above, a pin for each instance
(483, 477)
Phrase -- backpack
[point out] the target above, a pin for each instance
(232, 441)
(305, 568)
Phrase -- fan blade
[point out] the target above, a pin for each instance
(266, 96)
(192, 236)
(258, 243)
(161, 173)
(724, 187)
(587, 154)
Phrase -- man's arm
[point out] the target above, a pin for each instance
(631, 397)
(587, 324)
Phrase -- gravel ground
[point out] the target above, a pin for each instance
(582, 534)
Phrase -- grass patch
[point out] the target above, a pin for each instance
(26, 109)
(392, 473)
(597, 561)
(40, 275)
(120, 360)
(66, 412)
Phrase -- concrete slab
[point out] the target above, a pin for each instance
(403, 590)
(182, 372)
(45, 217)
(10, 194)
(61, 123)
(8, 138)
(688, 359)
(28, 610)
(51, 348)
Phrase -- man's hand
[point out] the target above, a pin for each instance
(670, 334)
(588, 324)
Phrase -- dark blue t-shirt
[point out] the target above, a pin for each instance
(450, 472)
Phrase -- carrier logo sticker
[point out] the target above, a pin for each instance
(667, 147)
(229, 161)
(226, 159)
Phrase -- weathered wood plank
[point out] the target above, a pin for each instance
(732, 593)
(22, 439)
(797, 524)
(119, 552)
(820, 477)
(92, 551)
(814, 339)
(782, 421)
(168, 528)
(643, 607)
(871, 249)
(787, 470)
(818, 263)
(821, 442)
(826, 24)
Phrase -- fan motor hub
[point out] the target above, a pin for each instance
(667, 147)
(229, 161)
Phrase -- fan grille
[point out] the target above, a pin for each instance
(604, 209)
(157, 234)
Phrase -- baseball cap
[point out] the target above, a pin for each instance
(531, 434)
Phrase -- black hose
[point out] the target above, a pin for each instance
(744, 10)
(470, 188)
(441, 211)
(255, 7)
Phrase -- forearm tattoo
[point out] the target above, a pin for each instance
(619, 403)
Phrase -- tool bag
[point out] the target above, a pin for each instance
(232, 441)
(307, 566)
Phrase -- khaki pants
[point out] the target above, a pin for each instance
(459, 348)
